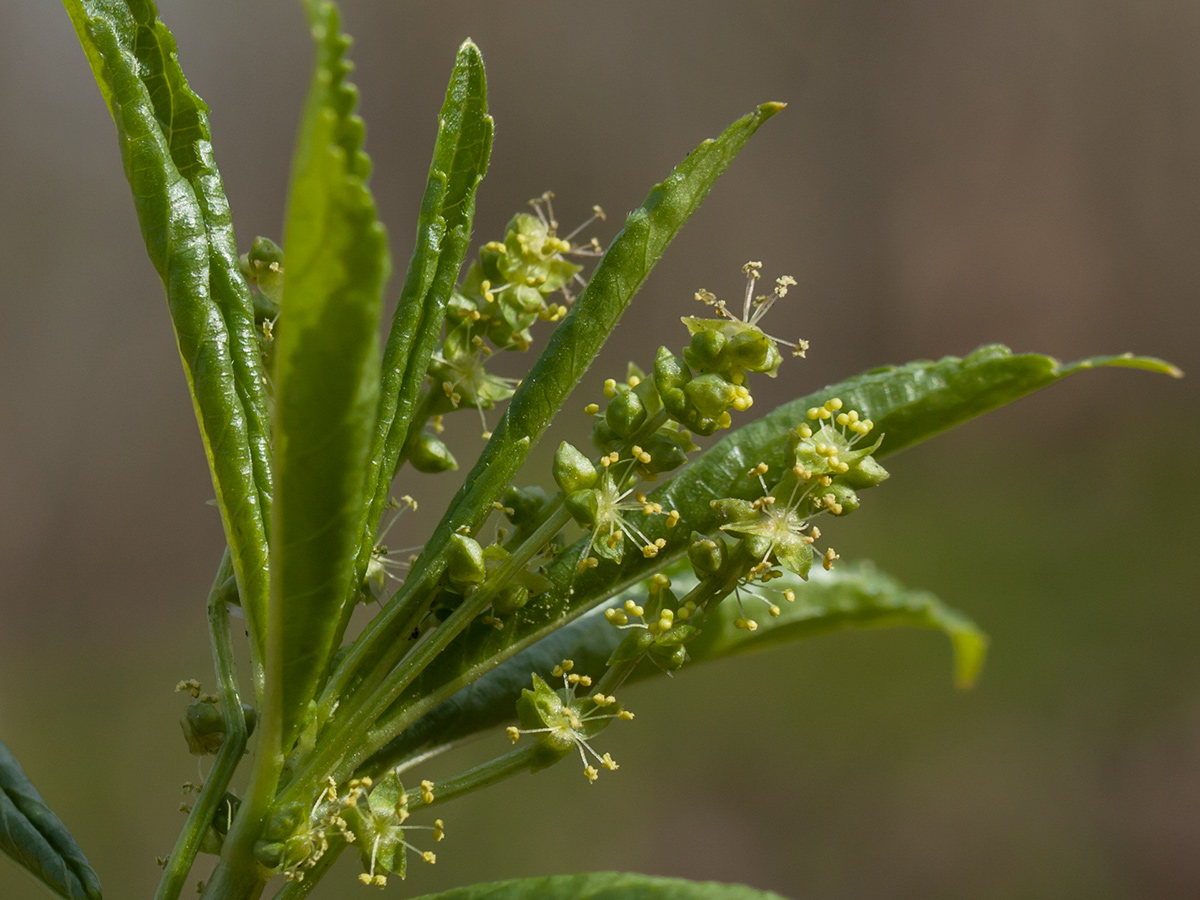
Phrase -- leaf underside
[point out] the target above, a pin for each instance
(34, 837)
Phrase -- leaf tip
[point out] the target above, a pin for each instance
(970, 651)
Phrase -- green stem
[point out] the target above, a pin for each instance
(228, 756)
(351, 741)
(484, 775)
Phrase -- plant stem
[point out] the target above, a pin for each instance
(228, 756)
(351, 741)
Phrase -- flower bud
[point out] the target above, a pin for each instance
(464, 561)
(572, 470)
(626, 412)
(511, 598)
(706, 555)
(430, 454)
(526, 504)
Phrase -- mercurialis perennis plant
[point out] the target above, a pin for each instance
(687, 531)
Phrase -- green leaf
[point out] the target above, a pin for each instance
(908, 404)
(162, 126)
(603, 886)
(326, 376)
(849, 597)
(460, 160)
(576, 341)
(36, 838)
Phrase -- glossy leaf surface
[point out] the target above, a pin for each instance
(33, 836)
(326, 375)
(849, 597)
(603, 886)
(908, 404)
(162, 127)
(460, 160)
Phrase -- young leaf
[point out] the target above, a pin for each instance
(36, 838)
(326, 376)
(849, 597)
(460, 159)
(166, 146)
(907, 404)
(603, 886)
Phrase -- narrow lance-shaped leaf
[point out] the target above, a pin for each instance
(460, 160)
(849, 597)
(326, 376)
(33, 836)
(907, 404)
(578, 339)
(165, 144)
(603, 886)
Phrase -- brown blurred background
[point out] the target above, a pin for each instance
(945, 175)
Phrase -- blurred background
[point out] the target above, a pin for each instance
(945, 175)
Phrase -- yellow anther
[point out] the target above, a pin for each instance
(514, 733)
(592, 408)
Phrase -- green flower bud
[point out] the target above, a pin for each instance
(671, 375)
(430, 454)
(526, 503)
(583, 507)
(626, 412)
(262, 266)
(671, 656)
(204, 726)
(511, 598)
(706, 555)
(284, 821)
(665, 455)
(866, 473)
(572, 470)
(634, 644)
(711, 394)
(837, 499)
(465, 563)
